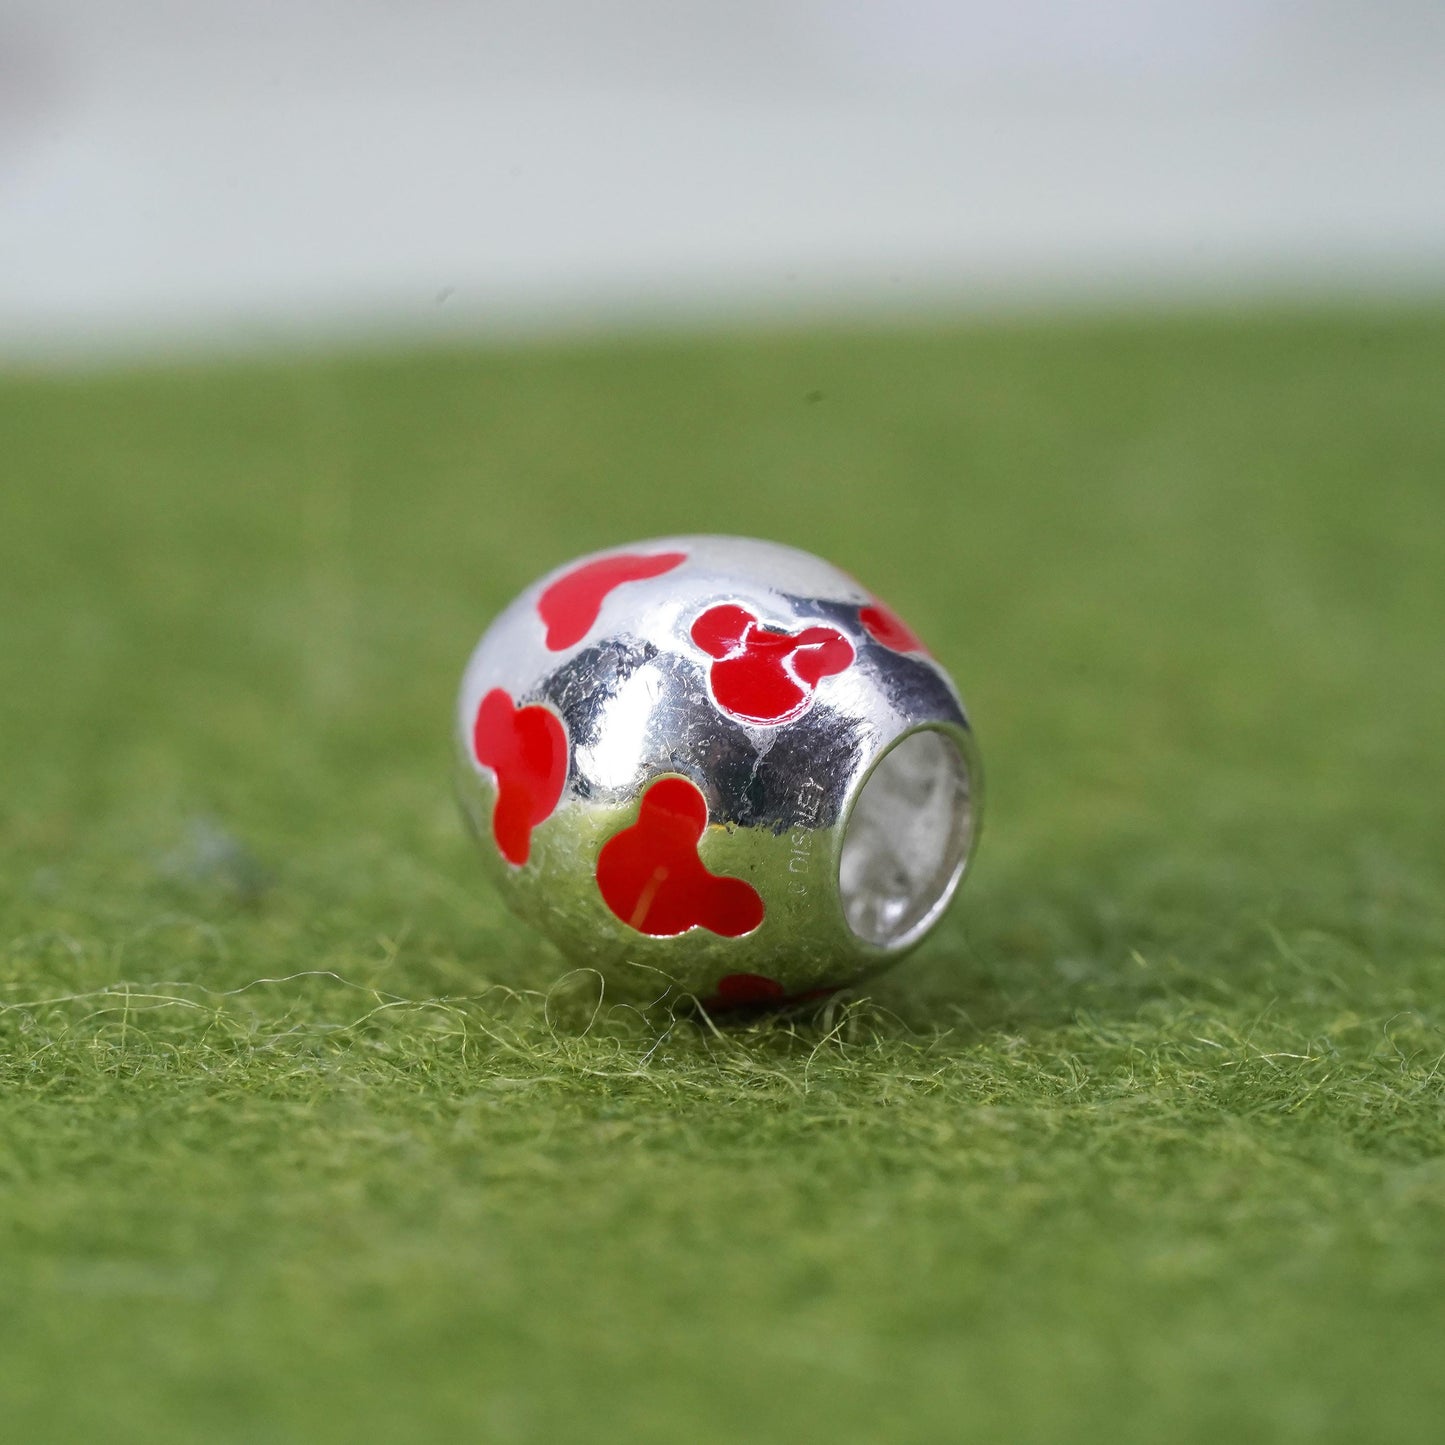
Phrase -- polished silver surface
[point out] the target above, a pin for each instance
(716, 767)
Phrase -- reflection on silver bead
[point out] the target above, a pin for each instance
(716, 768)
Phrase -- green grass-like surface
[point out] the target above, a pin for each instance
(298, 1142)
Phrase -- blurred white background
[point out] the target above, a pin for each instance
(178, 173)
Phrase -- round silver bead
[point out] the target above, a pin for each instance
(717, 768)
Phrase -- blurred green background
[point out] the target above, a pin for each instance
(299, 1139)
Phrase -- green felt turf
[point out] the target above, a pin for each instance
(1144, 1145)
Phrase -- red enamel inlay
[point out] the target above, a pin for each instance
(746, 990)
(764, 676)
(887, 627)
(758, 991)
(570, 605)
(526, 747)
(651, 877)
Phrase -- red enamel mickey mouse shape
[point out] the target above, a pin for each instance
(762, 675)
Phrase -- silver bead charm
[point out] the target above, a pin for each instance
(716, 768)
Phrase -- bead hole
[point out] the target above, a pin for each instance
(907, 840)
